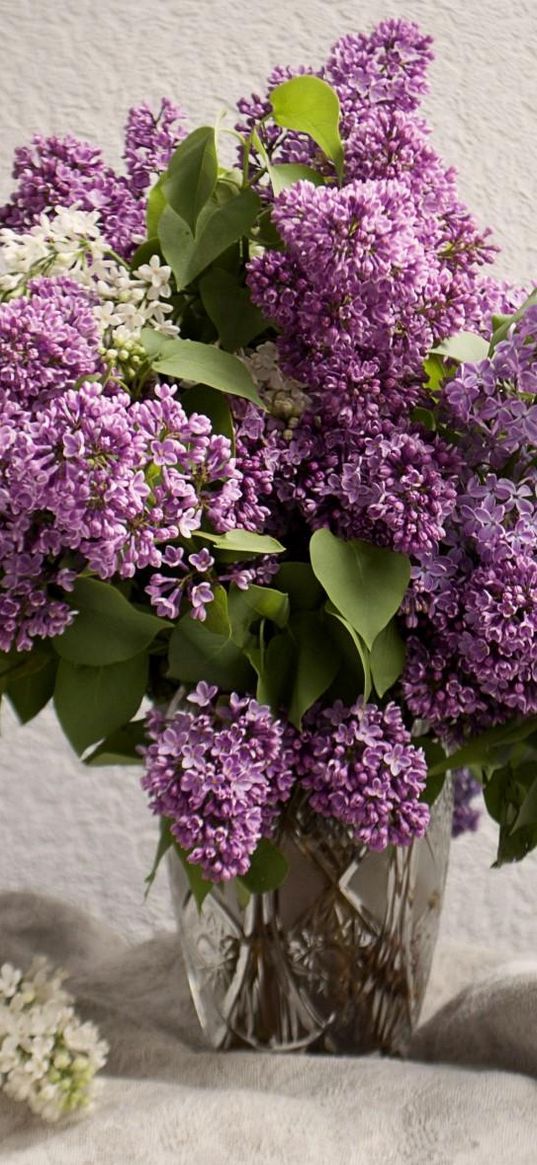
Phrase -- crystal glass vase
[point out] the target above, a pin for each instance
(337, 960)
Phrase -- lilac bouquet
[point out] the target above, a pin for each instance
(268, 458)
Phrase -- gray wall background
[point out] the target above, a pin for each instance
(76, 66)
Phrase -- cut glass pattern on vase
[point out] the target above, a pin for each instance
(337, 960)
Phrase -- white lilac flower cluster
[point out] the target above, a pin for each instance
(69, 242)
(48, 1057)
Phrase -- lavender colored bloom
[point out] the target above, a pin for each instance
(150, 140)
(48, 340)
(112, 480)
(362, 769)
(219, 774)
(55, 172)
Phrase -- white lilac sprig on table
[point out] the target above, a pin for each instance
(268, 457)
(48, 1056)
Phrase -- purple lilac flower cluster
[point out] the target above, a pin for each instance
(112, 480)
(472, 609)
(362, 769)
(59, 172)
(219, 771)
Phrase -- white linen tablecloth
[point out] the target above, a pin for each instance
(468, 1096)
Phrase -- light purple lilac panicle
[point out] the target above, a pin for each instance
(219, 770)
(58, 172)
(361, 768)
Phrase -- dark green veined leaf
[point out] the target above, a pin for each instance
(465, 347)
(287, 173)
(32, 692)
(242, 541)
(107, 629)
(192, 175)
(203, 363)
(387, 657)
(298, 581)
(121, 748)
(93, 702)
(365, 583)
(231, 310)
(268, 868)
(309, 105)
(198, 654)
(359, 645)
(212, 404)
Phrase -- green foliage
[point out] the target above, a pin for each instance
(276, 673)
(192, 174)
(31, 692)
(198, 654)
(156, 203)
(365, 583)
(287, 173)
(212, 404)
(218, 228)
(229, 306)
(387, 658)
(490, 748)
(93, 702)
(315, 663)
(511, 799)
(363, 676)
(465, 348)
(217, 619)
(107, 628)
(309, 105)
(203, 363)
(504, 323)
(268, 869)
(298, 581)
(248, 606)
(121, 747)
(242, 542)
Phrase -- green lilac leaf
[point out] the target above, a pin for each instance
(309, 105)
(316, 663)
(212, 404)
(242, 541)
(231, 310)
(387, 658)
(298, 581)
(121, 747)
(203, 363)
(192, 174)
(107, 628)
(93, 702)
(465, 347)
(156, 204)
(32, 692)
(365, 583)
(286, 174)
(359, 645)
(247, 606)
(217, 618)
(268, 868)
(198, 654)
